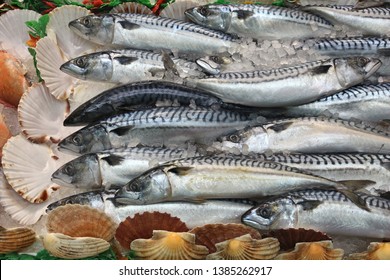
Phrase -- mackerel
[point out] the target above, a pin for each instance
(139, 95)
(289, 86)
(327, 211)
(309, 135)
(211, 177)
(260, 21)
(367, 21)
(192, 214)
(150, 32)
(156, 127)
(125, 66)
(113, 168)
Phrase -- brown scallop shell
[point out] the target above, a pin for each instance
(81, 221)
(15, 239)
(211, 234)
(291, 236)
(166, 245)
(246, 248)
(142, 226)
(375, 251)
(321, 250)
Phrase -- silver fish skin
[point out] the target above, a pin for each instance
(148, 32)
(217, 177)
(193, 214)
(367, 21)
(169, 126)
(260, 21)
(309, 135)
(125, 66)
(289, 86)
(364, 102)
(138, 95)
(323, 210)
(113, 168)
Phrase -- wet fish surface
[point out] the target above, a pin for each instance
(323, 210)
(211, 177)
(150, 32)
(156, 127)
(289, 86)
(113, 168)
(135, 96)
(260, 21)
(309, 135)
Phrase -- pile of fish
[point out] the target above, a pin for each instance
(304, 145)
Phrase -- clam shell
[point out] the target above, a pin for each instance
(67, 247)
(132, 8)
(176, 10)
(165, 245)
(321, 250)
(136, 228)
(211, 234)
(289, 237)
(15, 239)
(375, 251)
(246, 248)
(81, 221)
(39, 125)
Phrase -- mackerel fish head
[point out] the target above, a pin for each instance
(82, 172)
(96, 28)
(90, 139)
(94, 67)
(274, 213)
(217, 17)
(354, 70)
(151, 187)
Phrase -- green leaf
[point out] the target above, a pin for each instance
(38, 28)
(34, 55)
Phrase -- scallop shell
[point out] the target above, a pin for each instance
(289, 237)
(28, 167)
(321, 250)
(15, 239)
(81, 221)
(375, 251)
(135, 228)
(67, 247)
(40, 125)
(165, 245)
(211, 234)
(131, 7)
(246, 248)
(176, 10)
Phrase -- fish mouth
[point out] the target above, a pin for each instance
(59, 180)
(374, 66)
(192, 15)
(73, 70)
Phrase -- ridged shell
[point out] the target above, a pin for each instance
(375, 251)
(81, 221)
(321, 250)
(176, 10)
(132, 8)
(40, 125)
(15, 239)
(165, 245)
(67, 247)
(246, 248)
(211, 234)
(136, 228)
(289, 237)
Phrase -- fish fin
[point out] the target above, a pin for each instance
(241, 14)
(113, 160)
(125, 60)
(169, 64)
(120, 131)
(354, 185)
(280, 126)
(128, 25)
(385, 195)
(384, 52)
(180, 170)
(309, 204)
(323, 69)
(357, 200)
(386, 165)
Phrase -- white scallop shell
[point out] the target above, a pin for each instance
(176, 10)
(131, 7)
(28, 168)
(41, 115)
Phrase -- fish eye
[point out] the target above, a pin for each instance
(69, 170)
(80, 62)
(362, 61)
(87, 22)
(265, 211)
(235, 138)
(77, 140)
(204, 11)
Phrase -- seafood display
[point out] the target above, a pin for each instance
(195, 130)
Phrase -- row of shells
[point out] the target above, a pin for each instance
(79, 231)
